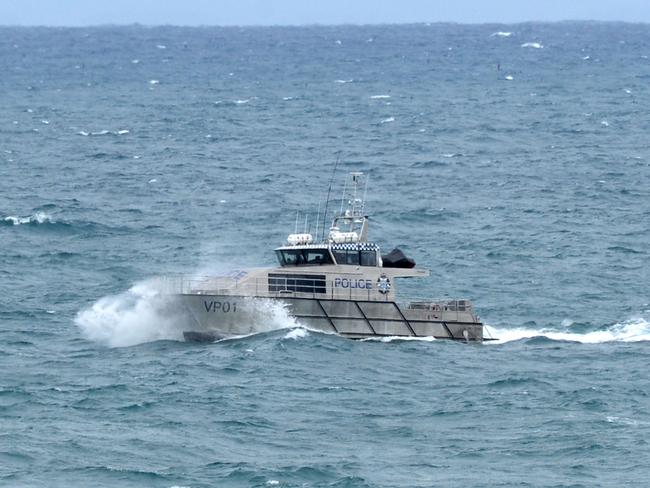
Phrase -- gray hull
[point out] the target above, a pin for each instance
(218, 316)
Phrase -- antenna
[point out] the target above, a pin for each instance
(329, 189)
(317, 218)
(365, 191)
(305, 224)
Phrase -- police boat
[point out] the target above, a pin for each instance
(341, 285)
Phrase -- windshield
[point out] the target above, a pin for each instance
(308, 257)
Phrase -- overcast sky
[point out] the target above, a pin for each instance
(285, 12)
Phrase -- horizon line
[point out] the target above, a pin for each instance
(317, 24)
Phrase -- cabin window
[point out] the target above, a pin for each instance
(368, 258)
(296, 257)
(297, 283)
(317, 256)
(352, 258)
(339, 256)
(293, 257)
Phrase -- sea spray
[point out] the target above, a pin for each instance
(141, 314)
(150, 311)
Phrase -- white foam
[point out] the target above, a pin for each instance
(36, 218)
(141, 314)
(379, 97)
(344, 81)
(509, 77)
(241, 102)
(501, 34)
(604, 123)
(387, 120)
(122, 131)
(400, 338)
(83, 133)
(149, 311)
(297, 333)
(635, 330)
(154, 82)
(533, 45)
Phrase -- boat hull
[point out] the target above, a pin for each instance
(218, 316)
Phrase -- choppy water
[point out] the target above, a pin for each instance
(516, 167)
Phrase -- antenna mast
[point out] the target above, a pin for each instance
(329, 189)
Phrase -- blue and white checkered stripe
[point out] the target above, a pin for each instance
(356, 246)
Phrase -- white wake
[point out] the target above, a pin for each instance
(634, 330)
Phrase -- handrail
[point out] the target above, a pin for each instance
(277, 287)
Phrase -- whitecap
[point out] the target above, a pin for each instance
(344, 81)
(154, 82)
(533, 45)
(387, 120)
(83, 133)
(635, 330)
(586, 58)
(100, 132)
(35, 218)
(509, 77)
(46, 122)
(501, 34)
(122, 131)
(604, 123)
(287, 98)
(161, 46)
(241, 102)
(338, 41)
(297, 333)
(153, 180)
(135, 61)
(379, 97)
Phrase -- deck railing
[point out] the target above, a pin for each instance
(279, 287)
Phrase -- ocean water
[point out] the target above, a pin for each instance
(511, 160)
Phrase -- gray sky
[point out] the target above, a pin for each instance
(271, 12)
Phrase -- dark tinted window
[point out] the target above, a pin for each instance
(339, 256)
(352, 258)
(317, 256)
(368, 258)
(296, 282)
(293, 257)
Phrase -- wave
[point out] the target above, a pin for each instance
(141, 314)
(104, 132)
(533, 45)
(34, 219)
(634, 330)
(147, 312)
